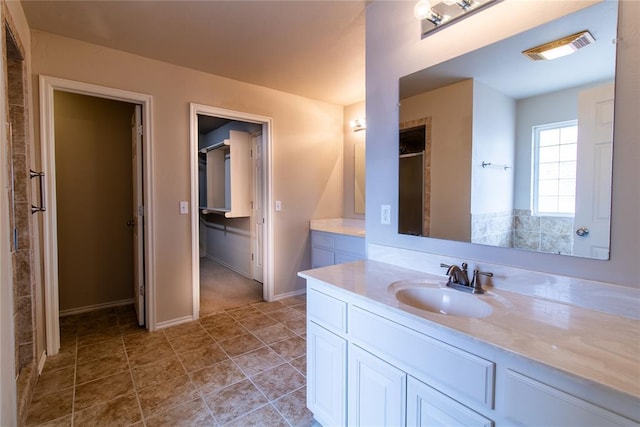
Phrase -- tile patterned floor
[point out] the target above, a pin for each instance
(240, 367)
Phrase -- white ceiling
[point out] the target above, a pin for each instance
(311, 48)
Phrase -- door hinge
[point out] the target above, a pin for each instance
(251, 257)
(141, 289)
(140, 210)
(139, 130)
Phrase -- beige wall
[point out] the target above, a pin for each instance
(307, 154)
(450, 109)
(94, 189)
(351, 112)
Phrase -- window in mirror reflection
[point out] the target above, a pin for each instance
(554, 185)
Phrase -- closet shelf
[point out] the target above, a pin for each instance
(228, 176)
(214, 146)
(228, 213)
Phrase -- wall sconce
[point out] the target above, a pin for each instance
(561, 47)
(358, 124)
(434, 18)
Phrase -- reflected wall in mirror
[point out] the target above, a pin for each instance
(359, 177)
(515, 152)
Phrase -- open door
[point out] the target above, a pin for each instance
(137, 221)
(257, 210)
(593, 174)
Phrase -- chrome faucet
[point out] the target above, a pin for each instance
(456, 274)
(459, 278)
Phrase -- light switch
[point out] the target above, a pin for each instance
(278, 205)
(184, 208)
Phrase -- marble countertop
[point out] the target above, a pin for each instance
(597, 346)
(347, 226)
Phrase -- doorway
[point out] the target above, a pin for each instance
(139, 158)
(230, 193)
(95, 198)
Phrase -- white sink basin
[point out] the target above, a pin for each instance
(430, 296)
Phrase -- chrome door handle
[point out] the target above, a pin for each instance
(40, 176)
(582, 231)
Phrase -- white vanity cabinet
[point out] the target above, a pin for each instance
(371, 364)
(332, 248)
(362, 367)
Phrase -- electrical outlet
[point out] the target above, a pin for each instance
(385, 214)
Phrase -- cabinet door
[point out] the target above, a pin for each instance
(428, 407)
(326, 375)
(321, 258)
(376, 391)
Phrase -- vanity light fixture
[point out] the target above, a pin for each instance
(446, 12)
(561, 47)
(463, 4)
(358, 124)
(422, 10)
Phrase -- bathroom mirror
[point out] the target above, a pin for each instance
(499, 149)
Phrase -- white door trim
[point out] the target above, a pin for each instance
(47, 133)
(266, 122)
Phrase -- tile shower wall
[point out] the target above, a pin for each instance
(519, 229)
(22, 255)
(495, 229)
(20, 219)
(542, 233)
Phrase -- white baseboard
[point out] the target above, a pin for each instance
(290, 294)
(174, 322)
(229, 266)
(95, 307)
(41, 361)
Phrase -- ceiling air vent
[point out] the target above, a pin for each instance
(561, 47)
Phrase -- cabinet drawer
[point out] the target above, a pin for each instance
(354, 245)
(460, 374)
(322, 240)
(428, 407)
(327, 311)
(524, 397)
